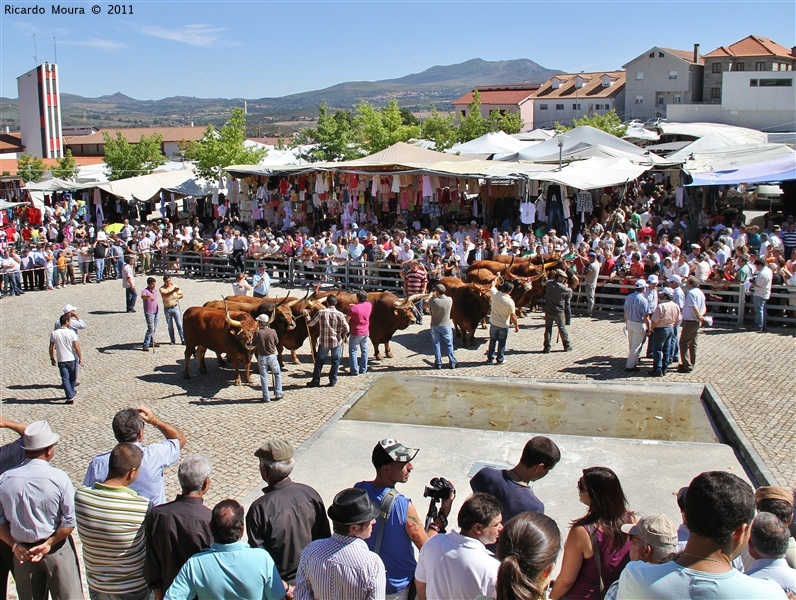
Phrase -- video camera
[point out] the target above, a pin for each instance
(438, 489)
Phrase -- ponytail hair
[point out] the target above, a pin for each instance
(528, 545)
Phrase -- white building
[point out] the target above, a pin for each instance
(762, 100)
(569, 96)
(40, 111)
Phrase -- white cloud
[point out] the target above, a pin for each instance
(108, 45)
(196, 34)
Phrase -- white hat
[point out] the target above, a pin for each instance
(652, 278)
(38, 435)
(262, 318)
(69, 308)
(641, 284)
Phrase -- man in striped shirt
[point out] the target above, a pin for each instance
(110, 519)
(342, 566)
(333, 326)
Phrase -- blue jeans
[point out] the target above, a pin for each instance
(12, 287)
(674, 351)
(358, 342)
(418, 310)
(130, 296)
(151, 326)
(320, 360)
(760, 311)
(265, 363)
(662, 348)
(119, 266)
(68, 372)
(442, 334)
(99, 267)
(173, 315)
(497, 335)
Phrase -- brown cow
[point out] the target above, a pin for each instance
(524, 291)
(471, 304)
(390, 314)
(222, 332)
(303, 312)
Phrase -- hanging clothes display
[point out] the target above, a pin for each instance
(555, 208)
(527, 212)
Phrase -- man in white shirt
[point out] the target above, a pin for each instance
(457, 565)
(693, 312)
(761, 292)
(66, 355)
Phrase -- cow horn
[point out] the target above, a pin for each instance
(292, 302)
(282, 301)
(230, 321)
(272, 318)
(411, 299)
(499, 279)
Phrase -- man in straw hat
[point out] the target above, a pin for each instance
(40, 533)
(342, 566)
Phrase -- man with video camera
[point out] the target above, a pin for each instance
(398, 525)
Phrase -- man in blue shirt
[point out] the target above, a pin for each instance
(261, 282)
(637, 320)
(230, 568)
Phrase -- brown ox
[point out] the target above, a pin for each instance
(223, 333)
(390, 314)
(487, 272)
(470, 305)
(303, 312)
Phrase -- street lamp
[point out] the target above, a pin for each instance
(560, 151)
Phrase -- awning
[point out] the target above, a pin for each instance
(740, 167)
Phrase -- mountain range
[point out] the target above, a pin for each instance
(437, 86)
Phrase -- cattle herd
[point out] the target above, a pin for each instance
(227, 326)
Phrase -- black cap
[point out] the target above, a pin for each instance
(352, 506)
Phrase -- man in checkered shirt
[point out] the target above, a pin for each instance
(333, 327)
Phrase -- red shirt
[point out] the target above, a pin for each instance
(359, 315)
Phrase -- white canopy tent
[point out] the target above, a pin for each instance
(738, 135)
(53, 184)
(748, 163)
(489, 144)
(146, 187)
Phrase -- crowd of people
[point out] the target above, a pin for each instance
(733, 541)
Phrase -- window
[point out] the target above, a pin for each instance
(660, 100)
(753, 83)
(715, 93)
(678, 99)
(660, 54)
(639, 99)
(760, 66)
(543, 107)
(652, 55)
(464, 113)
(716, 67)
(776, 83)
(559, 107)
(672, 74)
(576, 106)
(740, 67)
(639, 75)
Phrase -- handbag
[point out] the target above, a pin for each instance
(591, 529)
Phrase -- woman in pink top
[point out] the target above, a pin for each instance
(580, 576)
(359, 321)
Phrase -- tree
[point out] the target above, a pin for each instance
(608, 122)
(219, 149)
(472, 125)
(383, 128)
(30, 167)
(332, 140)
(441, 130)
(67, 167)
(507, 122)
(124, 159)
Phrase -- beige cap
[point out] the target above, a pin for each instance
(654, 529)
(275, 450)
(772, 492)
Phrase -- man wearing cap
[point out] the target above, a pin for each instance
(557, 294)
(65, 353)
(128, 426)
(458, 564)
(342, 566)
(479, 252)
(590, 274)
(502, 312)
(662, 323)
(289, 515)
(653, 540)
(229, 568)
(110, 521)
(239, 247)
(75, 322)
(637, 315)
(265, 343)
(261, 282)
(440, 305)
(333, 326)
(693, 312)
(651, 294)
(399, 525)
(39, 532)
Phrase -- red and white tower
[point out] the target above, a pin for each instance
(40, 111)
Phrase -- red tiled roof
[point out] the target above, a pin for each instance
(11, 142)
(10, 164)
(133, 135)
(686, 55)
(753, 45)
(591, 89)
(497, 97)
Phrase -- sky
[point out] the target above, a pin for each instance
(260, 48)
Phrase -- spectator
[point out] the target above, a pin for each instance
(289, 515)
(457, 565)
(401, 526)
(719, 508)
(664, 318)
(416, 282)
(342, 566)
(693, 313)
(265, 342)
(557, 294)
(359, 322)
(128, 426)
(440, 305)
(768, 543)
(177, 530)
(261, 282)
(128, 282)
(229, 569)
(65, 353)
(110, 519)
(151, 311)
(241, 287)
(40, 533)
(512, 486)
(527, 550)
(597, 549)
(761, 292)
(171, 296)
(779, 502)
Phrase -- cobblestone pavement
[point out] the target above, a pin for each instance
(751, 371)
